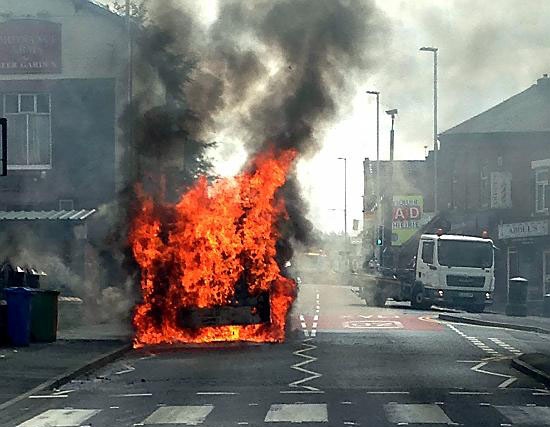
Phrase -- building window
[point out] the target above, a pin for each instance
(29, 130)
(485, 186)
(542, 190)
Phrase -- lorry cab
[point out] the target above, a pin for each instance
(455, 271)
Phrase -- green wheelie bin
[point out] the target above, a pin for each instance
(44, 315)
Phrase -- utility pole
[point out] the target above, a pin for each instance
(133, 161)
(436, 148)
(389, 194)
(378, 207)
(4, 133)
(345, 198)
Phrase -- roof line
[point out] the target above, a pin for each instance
(449, 131)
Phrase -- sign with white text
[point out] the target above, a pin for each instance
(30, 46)
(407, 217)
(523, 229)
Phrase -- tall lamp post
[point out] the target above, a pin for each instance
(345, 198)
(389, 193)
(436, 149)
(378, 210)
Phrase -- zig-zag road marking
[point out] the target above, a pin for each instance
(299, 384)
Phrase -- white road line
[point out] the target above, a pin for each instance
(314, 333)
(509, 379)
(388, 392)
(314, 326)
(299, 384)
(475, 341)
(128, 369)
(508, 347)
(507, 382)
(302, 319)
(61, 418)
(297, 413)
(216, 393)
(316, 318)
(470, 393)
(49, 396)
(59, 394)
(133, 395)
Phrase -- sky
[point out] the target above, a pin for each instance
(488, 51)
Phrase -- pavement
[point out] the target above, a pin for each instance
(37, 370)
(345, 364)
(528, 323)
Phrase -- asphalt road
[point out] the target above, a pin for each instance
(345, 364)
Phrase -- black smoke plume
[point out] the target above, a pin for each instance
(271, 73)
(275, 70)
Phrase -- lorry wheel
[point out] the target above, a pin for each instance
(417, 299)
(379, 300)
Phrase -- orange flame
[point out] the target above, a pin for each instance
(192, 254)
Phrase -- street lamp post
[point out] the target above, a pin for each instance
(389, 193)
(345, 198)
(436, 149)
(378, 210)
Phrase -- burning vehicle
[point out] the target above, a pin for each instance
(209, 269)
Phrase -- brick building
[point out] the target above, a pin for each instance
(63, 86)
(494, 175)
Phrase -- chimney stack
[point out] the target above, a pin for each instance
(544, 81)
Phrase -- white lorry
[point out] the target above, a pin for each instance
(448, 270)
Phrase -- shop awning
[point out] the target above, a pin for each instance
(72, 215)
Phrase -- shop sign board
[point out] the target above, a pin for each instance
(407, 217)
(30, 46)
(523, 229)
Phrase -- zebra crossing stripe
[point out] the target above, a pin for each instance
(398, 413)
(61, 418)
(297, 413)
(187, 415)
(530, 415)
